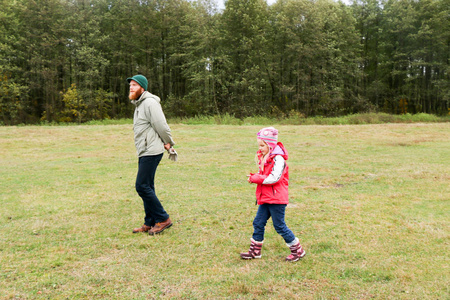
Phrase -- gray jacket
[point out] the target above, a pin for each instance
(151, 131)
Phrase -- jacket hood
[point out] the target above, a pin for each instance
(280, 150)
(145, 95)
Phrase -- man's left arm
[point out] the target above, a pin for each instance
(159, 124)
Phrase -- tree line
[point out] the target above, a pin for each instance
(68, 60)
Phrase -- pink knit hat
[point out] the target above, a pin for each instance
(269, 135)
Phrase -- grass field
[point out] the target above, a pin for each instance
(370, 204)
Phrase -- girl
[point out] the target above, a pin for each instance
(271, 195)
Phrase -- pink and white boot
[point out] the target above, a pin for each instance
(297, 251)
(255, 250)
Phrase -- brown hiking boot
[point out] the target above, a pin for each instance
(160, 227)
(144, 228)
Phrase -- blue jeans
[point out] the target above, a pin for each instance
(145, 187)
(277, 212)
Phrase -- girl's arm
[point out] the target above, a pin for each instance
(274, 176)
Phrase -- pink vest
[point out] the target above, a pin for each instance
(272, 194)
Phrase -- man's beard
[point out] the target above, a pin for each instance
(134, 95)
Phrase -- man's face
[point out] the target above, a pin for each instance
(135, 90)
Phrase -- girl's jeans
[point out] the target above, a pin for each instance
(145, 187)
(277, 212)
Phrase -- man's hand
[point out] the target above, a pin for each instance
(167, 146)
(173, 155)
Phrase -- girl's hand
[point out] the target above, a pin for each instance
(248, 177)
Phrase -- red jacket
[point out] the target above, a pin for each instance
(275, 193)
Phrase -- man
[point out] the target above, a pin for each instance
(152, 137)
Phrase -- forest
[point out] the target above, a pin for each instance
(68, 60)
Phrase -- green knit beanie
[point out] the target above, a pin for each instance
(139, 79)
